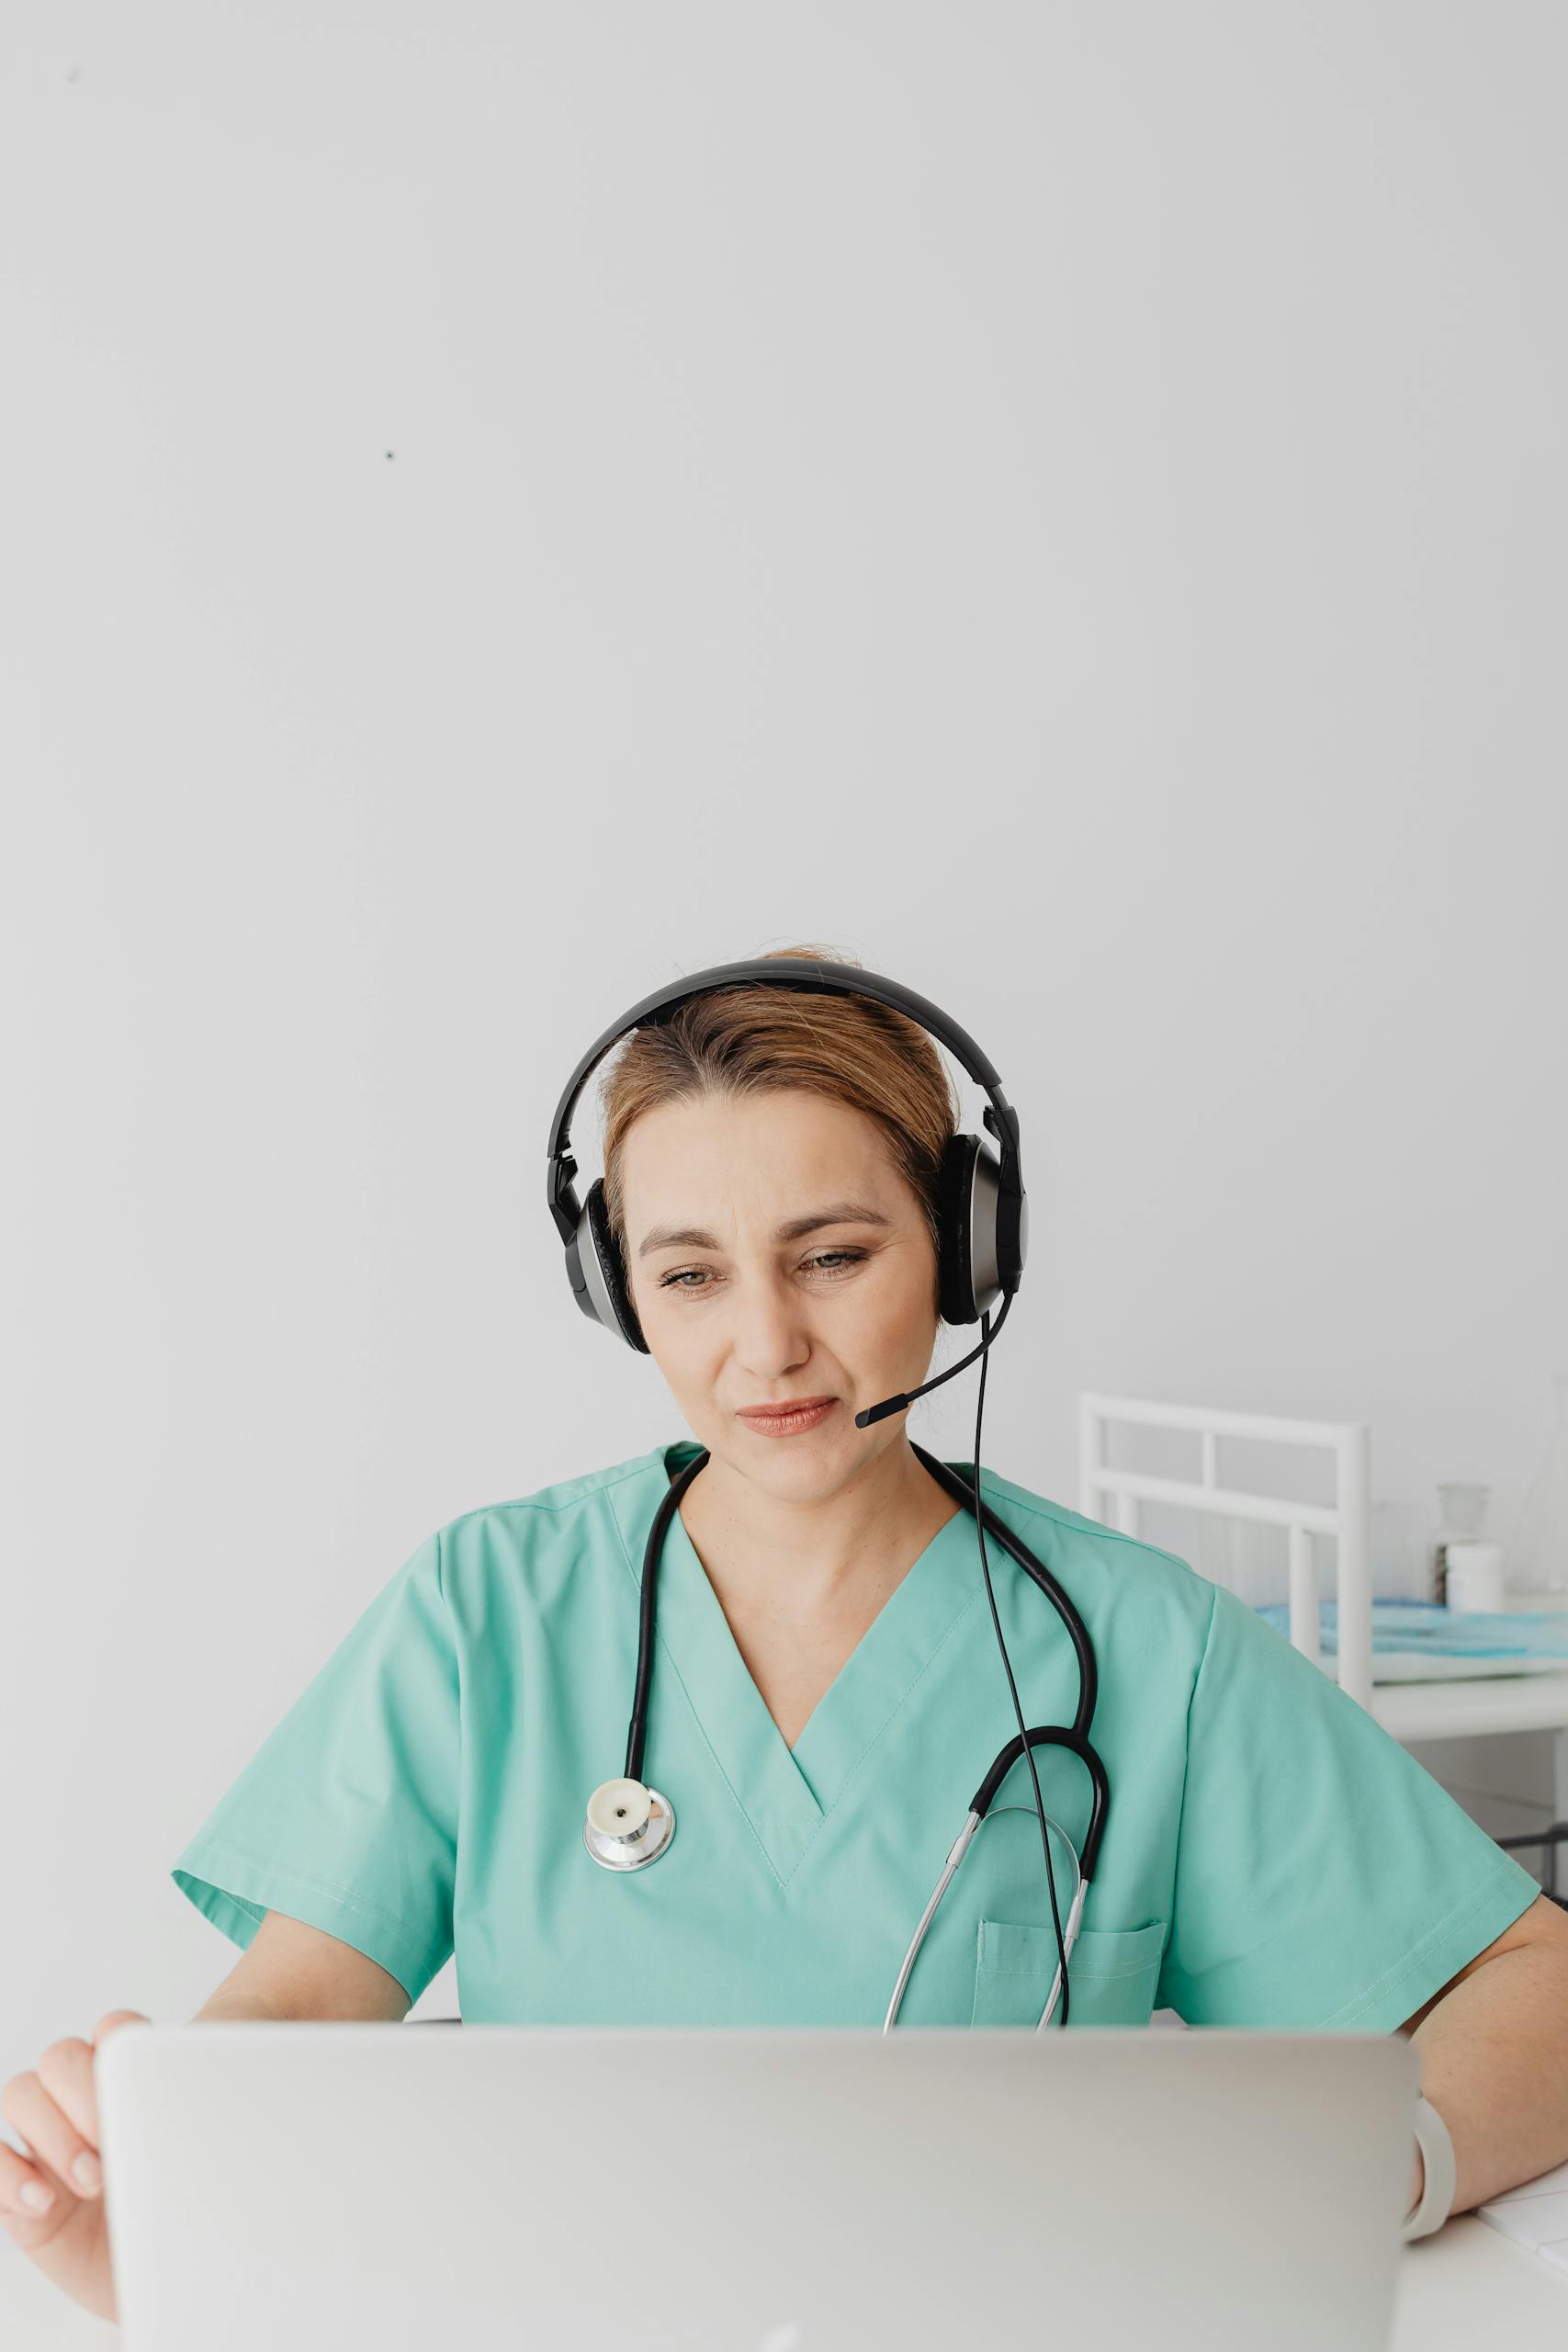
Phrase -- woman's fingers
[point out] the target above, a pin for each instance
(55, 2110)
(19, 2174)
(32, 2105)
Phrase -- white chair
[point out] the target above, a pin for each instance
(1346, 1519)
(1413, 1711)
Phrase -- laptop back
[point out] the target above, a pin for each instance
(726, 2190)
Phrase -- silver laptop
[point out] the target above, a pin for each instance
(726, 2190)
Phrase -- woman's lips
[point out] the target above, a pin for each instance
(788, 1424)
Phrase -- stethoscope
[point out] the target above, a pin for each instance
(630, 1825)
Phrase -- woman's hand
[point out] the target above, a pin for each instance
(55, 2110)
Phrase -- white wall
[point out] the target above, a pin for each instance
(504, 505)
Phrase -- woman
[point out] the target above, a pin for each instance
(828, 1692)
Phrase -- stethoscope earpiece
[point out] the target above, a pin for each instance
(627, 1825)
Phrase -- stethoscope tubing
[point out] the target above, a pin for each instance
(955, 1855)
(1074, 1737)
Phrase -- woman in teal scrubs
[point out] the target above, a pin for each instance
(826, 1688)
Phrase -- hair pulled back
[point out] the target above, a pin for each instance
(752, 1039)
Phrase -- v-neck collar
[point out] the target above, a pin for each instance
(787, 1794)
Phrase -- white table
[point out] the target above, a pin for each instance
(1468, 2287)
(1484, 1702)
(1465, 1710)
(1464, 2289)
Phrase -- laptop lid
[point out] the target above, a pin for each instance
(728, 2189)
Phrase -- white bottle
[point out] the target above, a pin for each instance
(1474, 1577)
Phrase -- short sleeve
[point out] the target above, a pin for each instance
(346, 1817)
(1323, 1877)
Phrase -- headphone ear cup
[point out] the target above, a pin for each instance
(968, 1188)
(956, 1292)
(604, 1274)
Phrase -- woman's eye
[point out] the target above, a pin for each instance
(831, 1272)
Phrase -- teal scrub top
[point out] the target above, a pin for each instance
(1271, 1855)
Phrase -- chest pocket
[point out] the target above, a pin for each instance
(1111, 1973)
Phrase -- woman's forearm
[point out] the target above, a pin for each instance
(1494, 2065)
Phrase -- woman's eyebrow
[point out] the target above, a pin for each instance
(690, 1237)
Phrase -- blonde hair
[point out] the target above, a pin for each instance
(752, 1039)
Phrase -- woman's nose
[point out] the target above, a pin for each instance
(770, 1334)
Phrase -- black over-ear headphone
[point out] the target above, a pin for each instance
(983, 1212)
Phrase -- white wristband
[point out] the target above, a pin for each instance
(1436, 2201)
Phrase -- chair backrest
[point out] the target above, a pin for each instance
(1346, 1519)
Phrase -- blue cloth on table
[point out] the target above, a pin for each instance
(1443, 1633)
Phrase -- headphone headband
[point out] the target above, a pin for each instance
(816, 976)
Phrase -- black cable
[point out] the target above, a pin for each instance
(985, 1336)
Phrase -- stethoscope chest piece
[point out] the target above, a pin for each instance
(627, 1825)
